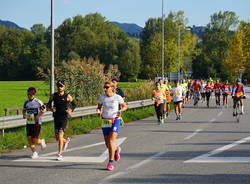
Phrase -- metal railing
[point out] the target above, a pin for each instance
(15, 121)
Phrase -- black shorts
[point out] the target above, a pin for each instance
(60, 123)
(225, 94)
(217, 94)
(176, 103)
(33, 130)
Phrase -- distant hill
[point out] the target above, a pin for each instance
(132, 30)
(9, 24)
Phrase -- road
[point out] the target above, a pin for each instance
(206, 146)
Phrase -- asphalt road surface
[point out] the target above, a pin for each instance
(206, 146)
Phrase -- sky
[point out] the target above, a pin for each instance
(26, 13)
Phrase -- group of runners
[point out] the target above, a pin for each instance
(110, 107)
(183, 91)
(112, 104)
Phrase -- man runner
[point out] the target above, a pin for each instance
(238, 93)
(61, 111)
(33, 109)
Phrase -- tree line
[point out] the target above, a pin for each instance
(224, 50)
(220, 53)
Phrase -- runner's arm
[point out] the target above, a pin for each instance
(24, 110)
(72, 102)
(98, 109)
(123, 109)
(49, 104)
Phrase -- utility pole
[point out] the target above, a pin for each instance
(162, 57)
(179, 52)
(52, 77)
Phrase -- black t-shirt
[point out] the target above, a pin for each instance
(119, 92)
(60, 102)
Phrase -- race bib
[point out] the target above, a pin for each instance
(178, 93)
(31, 119)
(106, 123)
(158, 97)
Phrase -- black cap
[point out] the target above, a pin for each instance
(60, 83)
(115, 80)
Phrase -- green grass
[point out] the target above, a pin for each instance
(127, 85)
(16, 138)
(13, 93)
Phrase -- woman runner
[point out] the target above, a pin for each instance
(108, 107)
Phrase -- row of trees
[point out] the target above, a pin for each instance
(151, 45)
(22, 52)
(223, 50)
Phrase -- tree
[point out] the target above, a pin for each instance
(215, 45)
(151, 45)
(92, 36)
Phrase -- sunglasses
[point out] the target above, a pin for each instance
(106, 87)
(60, 86)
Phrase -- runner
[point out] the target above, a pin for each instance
(108, 108)
(225, 92)
(164, 88)
(61, 112)
(158, 96)
(168, 97)
(217, 92)
(190, 89)
(33, 109)
(184, 85)
(209, 90)
(118, 90)
(176, 92)
(196, 91)
(203, 91)
(238, 93)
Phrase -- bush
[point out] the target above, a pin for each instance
(144, 91)
(84, 78)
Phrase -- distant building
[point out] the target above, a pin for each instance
(199, 31)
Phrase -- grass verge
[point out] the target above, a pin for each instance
(16, 138)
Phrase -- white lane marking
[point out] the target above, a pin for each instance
(207, 157)
(193, 134)
(220, 113)
(212, 120)
(74, 159)
(131, 168)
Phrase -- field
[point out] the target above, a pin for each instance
(13, 93)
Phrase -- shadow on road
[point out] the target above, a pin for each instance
(188, 178)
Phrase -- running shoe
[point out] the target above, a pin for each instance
(59, 157)
(66, 144)
(162, 121)
(117, 153)
(177, 117)
(165, 115)
(43, 144)
(110, 166)
(34, 155)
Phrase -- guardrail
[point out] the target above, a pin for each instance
(15, 121)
